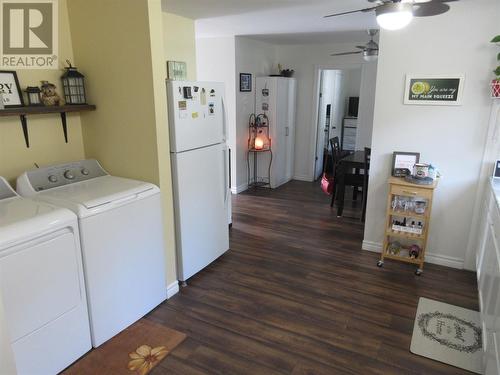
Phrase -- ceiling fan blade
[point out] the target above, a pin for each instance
(346, 53)
(430, 9)
(361, 47)
(350, 12)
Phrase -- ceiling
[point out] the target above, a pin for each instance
(265, 18)
(360, 36)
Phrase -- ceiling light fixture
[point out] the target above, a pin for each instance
(394, 16)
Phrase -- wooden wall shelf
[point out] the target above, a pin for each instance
(22, 112)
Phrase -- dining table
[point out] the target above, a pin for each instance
(348, 174)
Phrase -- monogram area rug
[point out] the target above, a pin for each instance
(448, 334)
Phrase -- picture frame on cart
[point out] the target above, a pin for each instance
(403, 163)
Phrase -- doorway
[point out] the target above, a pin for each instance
(337, 112)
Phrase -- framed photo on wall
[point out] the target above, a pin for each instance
(434, 89)
(12, 95)
(245, 82)
(403, 162)
(176, 70)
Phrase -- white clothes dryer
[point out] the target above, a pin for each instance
(42, 284)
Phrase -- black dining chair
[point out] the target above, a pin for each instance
(366, 177)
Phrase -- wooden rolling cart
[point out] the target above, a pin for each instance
(400, 190)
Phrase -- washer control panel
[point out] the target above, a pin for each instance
(64, 174)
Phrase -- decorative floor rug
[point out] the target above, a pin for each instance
(136, 350)
(448, 334)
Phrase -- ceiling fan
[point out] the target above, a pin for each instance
(396, 14)
(369, 51)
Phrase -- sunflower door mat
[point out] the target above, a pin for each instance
(448, 334)
(135, 351)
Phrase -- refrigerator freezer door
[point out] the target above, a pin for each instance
(195, 120)
(201, 199)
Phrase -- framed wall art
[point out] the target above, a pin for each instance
(11, 91)
(403, 163)
(245, 82)
(176, 70)
(434, 89)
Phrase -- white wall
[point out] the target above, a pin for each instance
(257, 58)
(216, 62)
(368, 85)
(305, 60)
(7, 365)
(353, 82)
(452, 138)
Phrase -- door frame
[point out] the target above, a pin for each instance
(315, 105)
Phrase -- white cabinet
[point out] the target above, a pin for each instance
(349, 132)
(276, 97)
(488, 273)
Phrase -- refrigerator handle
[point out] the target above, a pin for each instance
(224, 122)
(226, 184)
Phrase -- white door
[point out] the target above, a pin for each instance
(338, 105)
(290, 130)
(201, 198)
(279, 166)
(329, 106)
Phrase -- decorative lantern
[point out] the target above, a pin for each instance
(73, 85)
(259, 143)
(34, 98)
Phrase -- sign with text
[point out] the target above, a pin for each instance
(29, 34)
(434, 90)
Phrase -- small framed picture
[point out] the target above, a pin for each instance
(177, 70)
(9, 88)
(245, 82)
(434, 89)
(403, 163)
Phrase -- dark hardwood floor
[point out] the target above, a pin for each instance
(297, 295)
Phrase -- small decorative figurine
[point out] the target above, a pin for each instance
(49, 94)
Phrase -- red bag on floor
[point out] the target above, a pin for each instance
(327, 184)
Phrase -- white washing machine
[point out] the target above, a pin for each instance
(42, 284)
(121, 232)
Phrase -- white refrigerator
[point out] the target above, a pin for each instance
(200, 170)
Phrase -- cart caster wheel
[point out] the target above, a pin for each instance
(380, 263)
(418, 272)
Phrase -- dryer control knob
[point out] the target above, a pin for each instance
(69, 175)
(53, 178)
(85, 171)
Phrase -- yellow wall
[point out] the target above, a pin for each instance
(156, 26)
(179, 42)
(46, 136)
(120, 45)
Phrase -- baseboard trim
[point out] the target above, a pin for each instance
(239, 189)
(434, 258)
(172, 289)
(301, 178)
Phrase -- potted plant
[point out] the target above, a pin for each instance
(495, 84)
